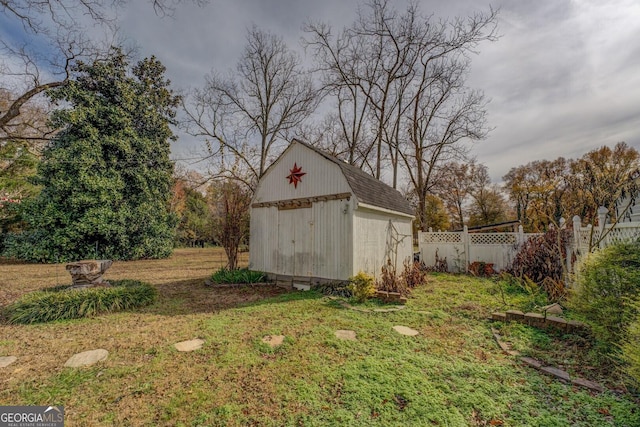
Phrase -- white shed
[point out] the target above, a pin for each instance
(316, 219)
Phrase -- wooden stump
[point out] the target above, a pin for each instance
(88, 274)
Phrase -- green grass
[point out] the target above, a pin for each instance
(451, 374)
(241, 275)
(60, 303)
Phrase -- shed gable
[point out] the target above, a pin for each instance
(366, 188)
(317, 177)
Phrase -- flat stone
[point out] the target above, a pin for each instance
(503, 345)
(514, 315)
(534, 319)
(273, 340)
(7, 360)
(558, 373)
(532, 362)
(556, 322)
(501, 317)
(87, 358)
(553, 309)
(403, 330)
(346, 335)
(189, 345)
(588, 384)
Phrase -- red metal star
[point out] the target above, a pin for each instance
(296, 175)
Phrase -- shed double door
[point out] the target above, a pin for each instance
(295, 242)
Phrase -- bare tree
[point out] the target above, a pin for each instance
(403, 76)
(367, 69)
(230, 201)
(54, 38)
(444, 113)
(342, 61)
(244, 116)
(453, 187)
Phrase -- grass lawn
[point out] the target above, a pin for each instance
(451, 374)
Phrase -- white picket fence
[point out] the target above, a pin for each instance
(463, 248)
(589, 237)
(460, 249)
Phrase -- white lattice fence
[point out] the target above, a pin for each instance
(462, 248)
(589, 237)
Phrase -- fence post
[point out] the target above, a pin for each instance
(576, 232)
(520, 239)
(467, 255)
(602, 219)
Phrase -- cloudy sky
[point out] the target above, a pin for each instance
(564, 77)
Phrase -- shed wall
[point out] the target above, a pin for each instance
(309, 242)
(374, 234)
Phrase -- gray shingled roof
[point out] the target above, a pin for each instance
(366, 188)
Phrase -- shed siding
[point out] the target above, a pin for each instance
(311, 242)
(332, 239)
(322, 177)
(263, 238)
(372, 232)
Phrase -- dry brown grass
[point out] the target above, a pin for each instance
(185, 265)
(131, 337)
(440, 377)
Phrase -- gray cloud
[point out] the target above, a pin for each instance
(563, 79)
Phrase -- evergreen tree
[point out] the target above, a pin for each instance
(107, 176)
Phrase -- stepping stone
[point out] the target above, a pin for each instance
(346, 335)
(403, 330)
(588, 384)
(7, 360)
(273, 340)
(86, 358)
(190, 345)
(552, 309)
(532, 362)
(558, 373)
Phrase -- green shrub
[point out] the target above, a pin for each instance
(362, 286)
(242, 275)
(606, 282)
(631, 347)
(60, 303)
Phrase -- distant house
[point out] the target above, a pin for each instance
(628, 206)
(316, 219)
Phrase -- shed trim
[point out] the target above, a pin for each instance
(303, 201)
(385, 210)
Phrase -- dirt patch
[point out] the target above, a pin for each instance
(273, 340)
(193, 296)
